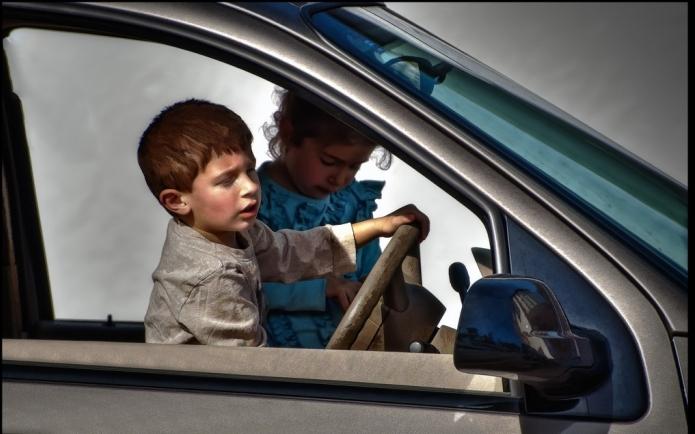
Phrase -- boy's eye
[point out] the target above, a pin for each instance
(227, 181)
(327, 162)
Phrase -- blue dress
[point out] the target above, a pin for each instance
(299, 314)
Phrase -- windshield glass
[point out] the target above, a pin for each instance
(621, 193)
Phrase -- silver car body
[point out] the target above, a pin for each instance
(78, 386)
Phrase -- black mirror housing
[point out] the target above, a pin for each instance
(514, 327)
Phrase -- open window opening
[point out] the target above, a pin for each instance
(86, 99)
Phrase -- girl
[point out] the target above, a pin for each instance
(311, 182)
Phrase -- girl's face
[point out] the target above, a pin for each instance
(317, 170)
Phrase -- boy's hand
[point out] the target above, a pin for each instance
(367, 230)
(402, 216)
(342, 289)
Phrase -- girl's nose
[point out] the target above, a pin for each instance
(342, 177)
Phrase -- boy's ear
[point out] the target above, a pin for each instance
(174, 201)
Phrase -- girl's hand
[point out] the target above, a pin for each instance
(342, 289)
(402, 216)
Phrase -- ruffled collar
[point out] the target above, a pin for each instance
(281, 208)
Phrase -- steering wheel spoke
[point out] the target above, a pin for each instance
(373, 287)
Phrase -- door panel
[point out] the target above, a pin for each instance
(75, 408)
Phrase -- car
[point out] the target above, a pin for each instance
(572, 318)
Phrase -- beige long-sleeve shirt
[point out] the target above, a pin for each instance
(209, 293)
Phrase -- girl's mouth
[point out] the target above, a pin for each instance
(325, 191)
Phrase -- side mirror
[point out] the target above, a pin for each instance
(514, 327)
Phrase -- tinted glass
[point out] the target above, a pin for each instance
(617, 190)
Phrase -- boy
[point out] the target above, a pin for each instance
(197, 160)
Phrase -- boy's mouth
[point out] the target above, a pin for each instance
(250, 208)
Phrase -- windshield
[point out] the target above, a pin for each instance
(600, 179)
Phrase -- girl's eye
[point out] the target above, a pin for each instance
(327, 163)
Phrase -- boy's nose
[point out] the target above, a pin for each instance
(251, 185)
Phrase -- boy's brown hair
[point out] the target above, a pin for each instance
(183, 138)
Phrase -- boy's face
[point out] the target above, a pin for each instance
(224, 197)
(318, 170)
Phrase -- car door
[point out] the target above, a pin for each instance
(69, 362)
(531, 232)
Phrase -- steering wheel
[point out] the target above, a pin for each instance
(373, 287)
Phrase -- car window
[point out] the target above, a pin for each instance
(86, 100)
(598, 177)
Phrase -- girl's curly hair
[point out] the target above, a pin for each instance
(297, 119)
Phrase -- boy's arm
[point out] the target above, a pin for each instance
(289, 255)
(367, 230)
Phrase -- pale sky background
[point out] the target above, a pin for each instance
(619, 68)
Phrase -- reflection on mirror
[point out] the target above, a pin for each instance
(514, 327)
